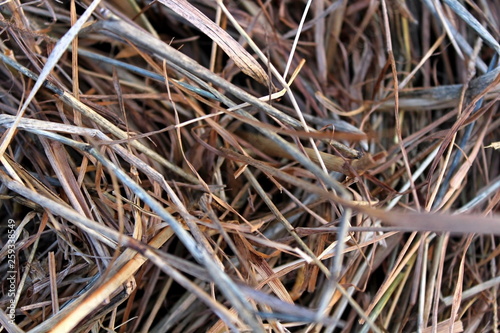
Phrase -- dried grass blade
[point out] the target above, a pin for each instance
(266, 273)
(447, 27)
(332, 162)
(233, 49)
(446, 327)
(53, 283)
(460, 10)
(127, 264)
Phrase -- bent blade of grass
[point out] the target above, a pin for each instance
(232, 48)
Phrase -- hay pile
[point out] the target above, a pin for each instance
(305, 166)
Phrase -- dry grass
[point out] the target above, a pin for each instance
(162, 172)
